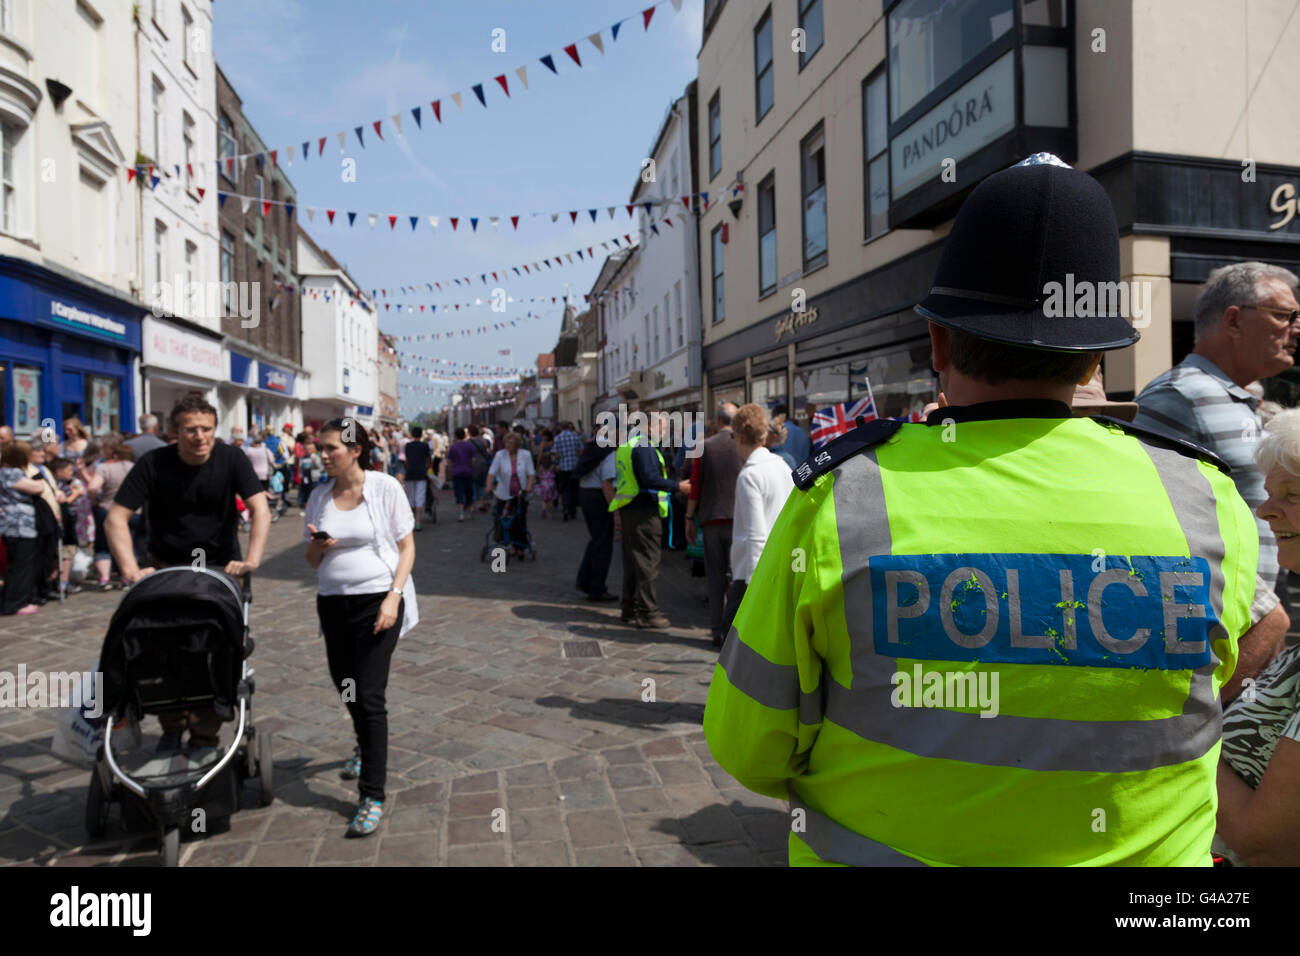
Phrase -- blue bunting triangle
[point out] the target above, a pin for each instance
(352, 217)
(593, 214)
(614, 29)
(549, 63)
(415, 111)
(414, 221)
(221, 199)
(304, 151)
(478, 91)
(360, 139)
(473, 223)
(654, 228)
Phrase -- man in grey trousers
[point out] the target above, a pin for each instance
(712, 499)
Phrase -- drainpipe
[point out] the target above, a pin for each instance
(138, 278)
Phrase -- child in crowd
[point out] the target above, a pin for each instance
(309, 466)
(546, 487)
(78, 517)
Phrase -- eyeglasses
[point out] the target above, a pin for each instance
(1291, 317)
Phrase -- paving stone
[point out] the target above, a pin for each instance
(469, 830)
(585, 794)
(535, 825)
(341, 849)
(663, 747)
(476, 783)
(629, 775)
(207, 853)
(623, 755)
(680, 772)
(653, 829)
(713, 824)
(288, 853)
(487, 855)
(606, 856)
(529, 798)
(647, 800)
(574, 767)
(669, 855)
(552, 853)
(590, 828)
(474, 804)
(409, 849)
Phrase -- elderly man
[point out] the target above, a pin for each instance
(1245, 329)
(6, 434)
(713, 495)
(148, 439)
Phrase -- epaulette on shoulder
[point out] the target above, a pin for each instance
(829, 456)
(1163, 439)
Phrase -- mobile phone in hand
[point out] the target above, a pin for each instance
(320, 535)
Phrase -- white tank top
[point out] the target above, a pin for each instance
(353, 565)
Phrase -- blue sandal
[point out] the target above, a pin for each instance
(352, 768)
(367, 817)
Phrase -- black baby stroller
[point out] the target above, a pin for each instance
(178, 641)
(507, 519)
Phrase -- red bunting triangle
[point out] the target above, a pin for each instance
(130, 174)
(454, 220)
(589, 255)
(686, 201)
(392, 222)
(627, 238)
(572, 50)
(189, 169)
(201, 191)
(437, 110)
(514, 221)
(668, 219)
(378, 131)
(266, 208)
(273, 152)
(320, 150)
(525, 268)
(502, 80)
(629, 210)
(573, 216)
(494, 277)
(647, 13)
(330, 213)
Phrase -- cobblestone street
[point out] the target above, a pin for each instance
(487, 712)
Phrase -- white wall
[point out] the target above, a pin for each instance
(340, 337)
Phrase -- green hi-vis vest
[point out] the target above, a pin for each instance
(1001, 649)
(626, 487)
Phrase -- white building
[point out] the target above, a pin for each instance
(178, 217)
(69, 280)
(340, 339)
(665, 313)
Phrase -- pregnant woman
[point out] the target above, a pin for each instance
(358, 530)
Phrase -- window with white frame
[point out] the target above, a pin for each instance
(810, 21)
(875, 126)
(159, 111)
(681, 322)
(92, 224)
(191, 277)
(813, 150)
(187, 133)
(654, 321)
(7, 15)
(229, 146)
(187, 27)
(159, 251)
(227, 270)
(767, 235)
(10, 136)
(668, 327)
(764, 82)
(719, 302)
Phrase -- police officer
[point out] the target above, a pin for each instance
(997, 637)
(641, 500)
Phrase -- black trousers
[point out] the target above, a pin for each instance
(568, 489)
(361, 658)
(717, 571)
(20, 579)
(642, 531)
(47, 572)
(600, 549)
(735, 594)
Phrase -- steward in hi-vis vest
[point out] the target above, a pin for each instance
(626, 487)
(996, 637)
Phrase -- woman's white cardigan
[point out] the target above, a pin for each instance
(390, 513)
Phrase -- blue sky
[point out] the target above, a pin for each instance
(308, 68)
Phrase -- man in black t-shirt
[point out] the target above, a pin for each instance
(417, 471)
(188, 491)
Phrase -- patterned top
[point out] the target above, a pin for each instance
(1251, 728)
(1197, 401)
(568, 446)
(17, 514)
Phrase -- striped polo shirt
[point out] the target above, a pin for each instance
(1197, 401)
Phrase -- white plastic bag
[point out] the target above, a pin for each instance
(77, 736)
(80, 567)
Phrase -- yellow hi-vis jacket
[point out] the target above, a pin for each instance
(626, 487)
(997, 642)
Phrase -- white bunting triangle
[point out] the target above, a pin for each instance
(311, 211)
(244, 203)
(456, 99)
(597, 43)
(433, 221)
(522, 73)
(343, 140)
(611, 211)
(371, 216)
(677, 6)
(288, 156)
(496, 221)
(397, 121)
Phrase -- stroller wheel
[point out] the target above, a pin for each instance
(170, 849)
(264, 768)
(97, 807)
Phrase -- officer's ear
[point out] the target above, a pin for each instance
(1092, 369)
(940, 348)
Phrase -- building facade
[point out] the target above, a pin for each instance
(388, 362)
(266, 382)
(176, 102)
(840, 139)
(340, 339)
(612, 296)
(70, 302)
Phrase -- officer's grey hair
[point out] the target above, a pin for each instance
(726, 411)
(148, 422)
(1281, 443)
(1240, 284)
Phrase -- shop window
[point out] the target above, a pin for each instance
(26, 400)
(1044, 13)
(764, 82)
(875, 132)
(715, 136)
(930, 40)
(101, 404)
(733, 392)
(899, 381)
(813, 151)
(769, 390)
(810, 21)
(767, 235)
(719, 305)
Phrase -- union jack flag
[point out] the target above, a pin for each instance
(834, 421)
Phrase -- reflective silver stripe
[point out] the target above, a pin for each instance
(836, 844)
(772, 685)
(1029, 743)
(1195, 507)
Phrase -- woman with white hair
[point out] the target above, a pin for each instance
(1259, 769)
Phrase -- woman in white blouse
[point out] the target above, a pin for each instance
(512, 475)
(358, 529)
(762, 487)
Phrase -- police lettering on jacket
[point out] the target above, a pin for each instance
(1080, 609)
